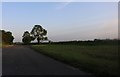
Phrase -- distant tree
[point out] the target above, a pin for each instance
(39, 33)
(26, 37)
(10, 37)
(6, 37)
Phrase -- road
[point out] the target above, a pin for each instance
(21, 60)
(0, 61)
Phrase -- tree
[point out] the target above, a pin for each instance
(39, 33)
(26, 37)
(10, 37)
(7, 37)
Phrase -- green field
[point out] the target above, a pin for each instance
(101, 60)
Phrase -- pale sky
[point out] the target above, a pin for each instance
(63, 20)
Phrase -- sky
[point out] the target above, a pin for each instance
(64, 21)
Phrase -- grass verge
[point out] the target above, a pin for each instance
(100, 60)
(0, 45)
(3, 45)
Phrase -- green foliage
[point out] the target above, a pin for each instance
(38, 33)
(32, 38)
(7, 37)
(26, 40)
(45, 38)
(101, 60)
(26, 37)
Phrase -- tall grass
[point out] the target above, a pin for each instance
(100, 60)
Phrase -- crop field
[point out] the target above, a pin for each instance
(101, 60)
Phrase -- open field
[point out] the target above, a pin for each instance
(101, 60)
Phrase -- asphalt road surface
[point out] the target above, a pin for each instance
(0, 61)
(21, 60)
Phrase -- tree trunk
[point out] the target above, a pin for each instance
(38, 40)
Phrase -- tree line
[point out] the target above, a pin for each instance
(90, 42)
(38, 32)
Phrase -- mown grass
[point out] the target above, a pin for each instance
(100, 60)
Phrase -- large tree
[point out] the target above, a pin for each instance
(27, 38)
(39, 33)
